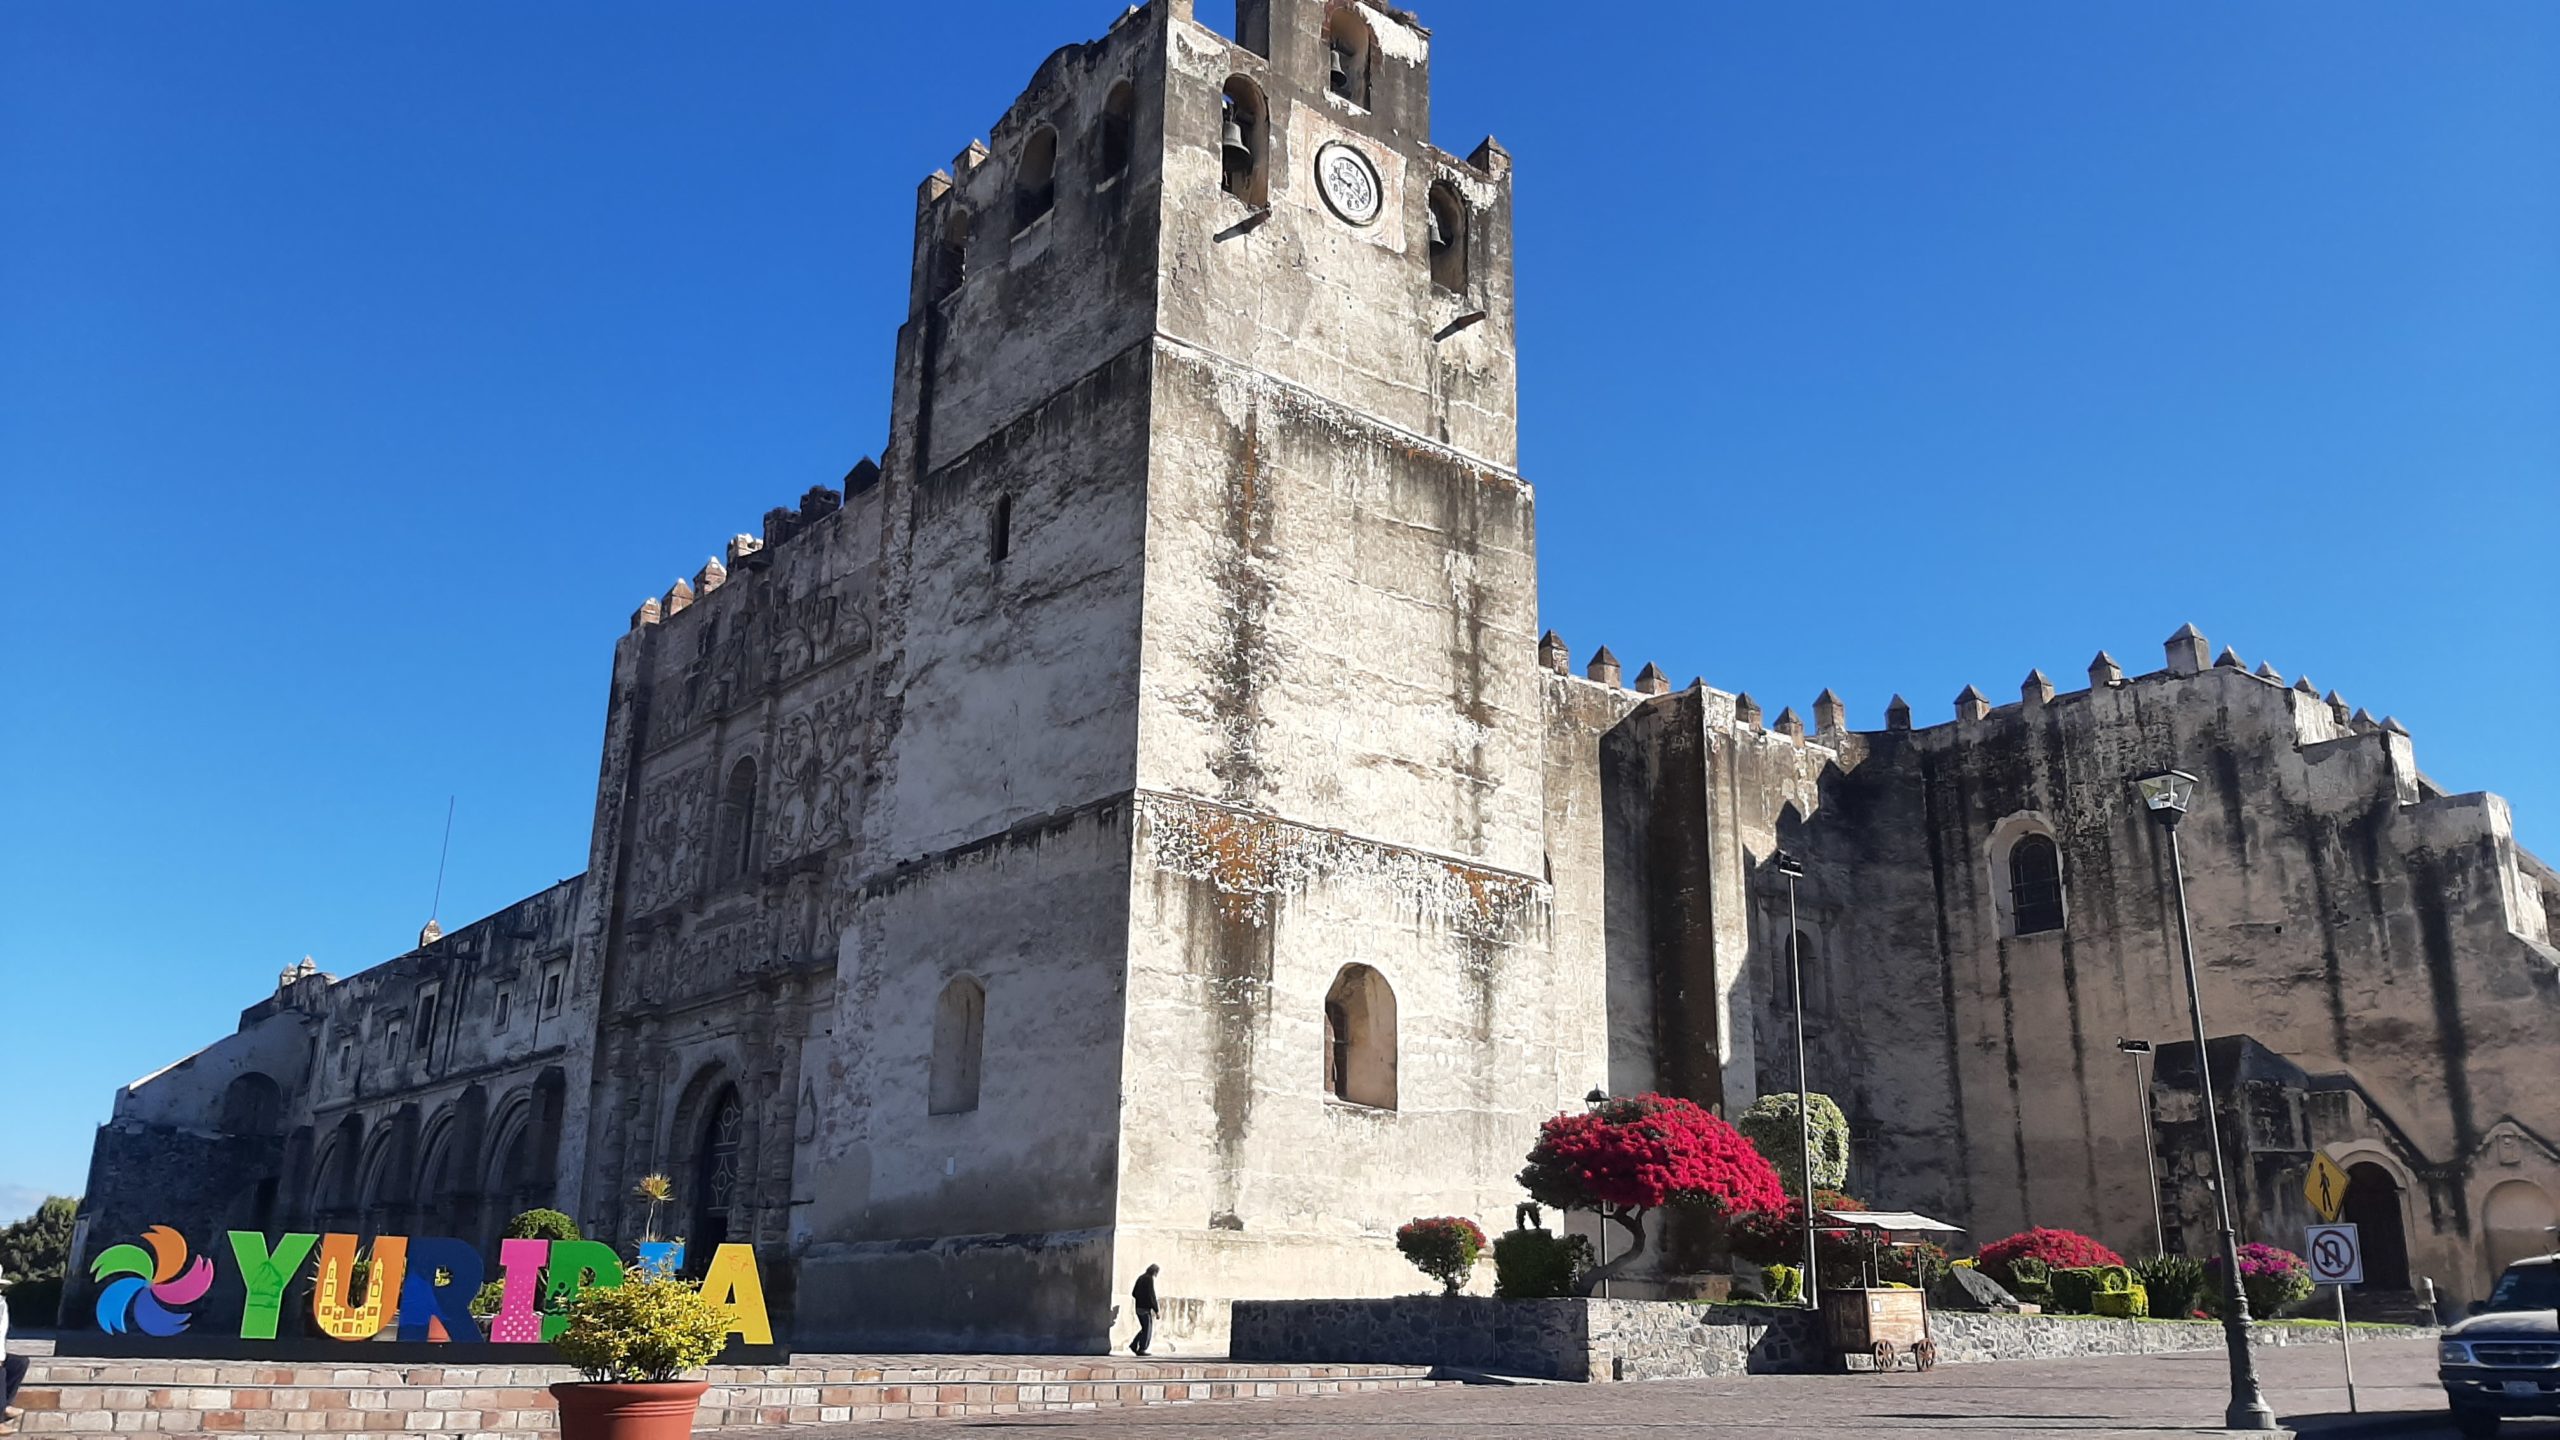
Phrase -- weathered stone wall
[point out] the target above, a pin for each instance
(2347, 916)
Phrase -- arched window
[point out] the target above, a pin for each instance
(1360, 1039)
(951, 256)
(1805, 954)
(1243, 142)
(1035, 179)
(2035, 885)
(718, 1166)
(1448, 221)
(959, 1045)
(1118, 137)
(253, 1105)
(738, 821)
(1346, 45)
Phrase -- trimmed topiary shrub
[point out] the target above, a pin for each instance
(1784, 1284)
(2271, 1278)
(2128, 1304)
(1538, 1264)
(2075, 1292)
(543, 1225)
(2056, 1249)
(1771, 1127)
(1444, 1247)
(2030, 1279)
(2175, 1283)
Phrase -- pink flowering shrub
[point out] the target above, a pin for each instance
(2271, 1277)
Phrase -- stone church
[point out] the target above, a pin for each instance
(1139, 821)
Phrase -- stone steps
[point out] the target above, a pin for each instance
(380, 1402)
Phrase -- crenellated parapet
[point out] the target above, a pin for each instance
(782, 525)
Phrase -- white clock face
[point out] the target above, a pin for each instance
(1350, 183)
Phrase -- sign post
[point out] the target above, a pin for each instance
(2337, 1261)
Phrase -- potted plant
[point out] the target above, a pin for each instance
(631, 1341)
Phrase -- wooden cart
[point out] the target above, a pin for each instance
(1869, 1319)
(1883, 1325)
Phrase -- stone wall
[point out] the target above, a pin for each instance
(1603, 1340)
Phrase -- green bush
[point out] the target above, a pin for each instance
(1783, 1284)
(1539, 1265)
(543, 1225)
(2132, 1303)
(1920, 1266)
(2031, 1280)
(1773, 1130)
(2176, 1284)
(2270, 1276)
(36, 1304)
(2074, 1291)
(485, 1304)
(647, 1330)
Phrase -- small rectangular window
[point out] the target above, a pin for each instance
(506, 1002)
(426, 1019)
(551, 993)
(1000, 530)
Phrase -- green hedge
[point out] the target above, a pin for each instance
(1538, 1264)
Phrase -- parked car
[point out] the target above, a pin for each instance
(2505, 1360)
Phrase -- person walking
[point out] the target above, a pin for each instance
(13, 1368)
(1143, 1296)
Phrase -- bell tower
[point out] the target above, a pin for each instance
(1210, 772)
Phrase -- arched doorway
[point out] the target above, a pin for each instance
(2373, 1207)
(719, 1163)
(2520, 1220)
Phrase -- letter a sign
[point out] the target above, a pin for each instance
(2327, 1187)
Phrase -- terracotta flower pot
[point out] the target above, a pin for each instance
(591, 1411)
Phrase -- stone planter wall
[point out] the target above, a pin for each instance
(1665, 1340)
(1545, 1339)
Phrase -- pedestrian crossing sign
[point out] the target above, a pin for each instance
(2326, 1187)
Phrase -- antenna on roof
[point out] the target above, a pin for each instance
(433, 931)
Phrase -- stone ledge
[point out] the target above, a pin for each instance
(1602, 1340)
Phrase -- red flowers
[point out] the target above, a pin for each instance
(2058, 1249)
(1643, 1151)
(1443, 1247)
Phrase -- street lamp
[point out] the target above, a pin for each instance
(1793, 869)
(2134, 1050)
(2165, 796)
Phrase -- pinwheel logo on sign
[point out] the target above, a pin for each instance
(148, 1282)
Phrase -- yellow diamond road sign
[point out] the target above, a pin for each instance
(2327, 1187)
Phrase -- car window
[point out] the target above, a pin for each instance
(2527, 1287)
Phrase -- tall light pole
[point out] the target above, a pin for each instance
(2134, 1050)
(2165, 796)
(1793, 869)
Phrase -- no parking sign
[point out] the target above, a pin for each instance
(2336, 1255)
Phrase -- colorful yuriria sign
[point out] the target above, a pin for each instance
(433, 1277)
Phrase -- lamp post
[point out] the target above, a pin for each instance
(1793, 869)
(2165, 796)
(1593, 1101)
(2134, 1050)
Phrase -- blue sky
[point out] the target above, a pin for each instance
(362, 366)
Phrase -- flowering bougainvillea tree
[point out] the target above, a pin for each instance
(1627, 1156)
(2058, 1249)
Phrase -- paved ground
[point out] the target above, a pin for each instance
(2134, 1396)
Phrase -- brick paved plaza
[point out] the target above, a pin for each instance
(2147, 1396)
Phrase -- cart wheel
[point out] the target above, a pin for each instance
(1884, 1356)
(1924, 1354)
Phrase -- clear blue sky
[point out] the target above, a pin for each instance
(362, 366)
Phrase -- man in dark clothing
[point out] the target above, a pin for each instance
(1144, 1295)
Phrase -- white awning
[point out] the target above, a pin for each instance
(1889, 1220)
